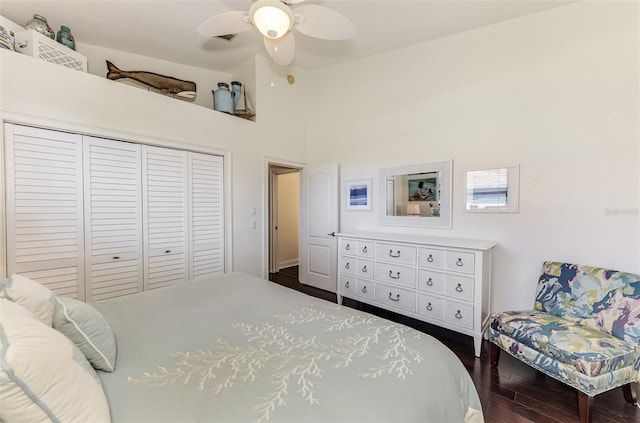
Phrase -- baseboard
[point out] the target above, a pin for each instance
(288, 263)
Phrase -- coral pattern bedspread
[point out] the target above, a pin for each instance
(241, 349)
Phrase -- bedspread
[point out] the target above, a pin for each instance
(238, 348)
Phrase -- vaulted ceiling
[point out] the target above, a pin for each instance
(167, 29)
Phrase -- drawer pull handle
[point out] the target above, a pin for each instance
(459, 288)
(364, 250)
(394, 277)
(430, 283)
(346, 285)
(459, 263)
(116, 258)
(364, 269)
(364, 289)
(167, 251)
(430, 258)
(348, 247)
(429, 307)
(346, 266)
(394, 255)
(458, 315)
(397, 298)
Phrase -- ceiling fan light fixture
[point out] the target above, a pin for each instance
(271, 17)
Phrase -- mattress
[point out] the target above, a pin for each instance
(237, 348)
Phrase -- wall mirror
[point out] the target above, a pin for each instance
(417, 195)
(492, 190)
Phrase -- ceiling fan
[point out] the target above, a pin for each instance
(275, 19)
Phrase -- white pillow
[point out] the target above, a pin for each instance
(86, 328)
(43, 376)
(36, 298)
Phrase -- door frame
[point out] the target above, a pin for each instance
(3, 217)
(268, 235)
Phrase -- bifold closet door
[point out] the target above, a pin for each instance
(206, 234)
(44, 210)
(164, 188)
(113, 218)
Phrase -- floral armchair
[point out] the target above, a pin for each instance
(584, 330)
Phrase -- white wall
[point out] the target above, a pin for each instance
(555, 92)
(205, 79)
(44, 94)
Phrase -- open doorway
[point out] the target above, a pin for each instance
(284, 211)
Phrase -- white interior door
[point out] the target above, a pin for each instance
(45, 237)
(113, 218)
(206, 232)
(319, 208)
(165, 216)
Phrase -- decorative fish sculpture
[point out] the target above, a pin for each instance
(165, 84)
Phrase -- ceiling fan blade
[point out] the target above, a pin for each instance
(225, 23)
(282, 49)
(292, 1)
(325, 23)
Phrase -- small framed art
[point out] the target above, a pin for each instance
(358, 195)
(493, 190)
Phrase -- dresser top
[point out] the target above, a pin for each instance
(474, 244)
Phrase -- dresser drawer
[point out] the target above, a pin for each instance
(395, 274)
(396, 297)
(432, 307)
(394, 253)
(429, 257)
(459, 314)
(347, 284)
(347, 265)
(430, 281)
(459, 261)
(348, 246)
(365, 268)
(365, 289)
(366, 249)
(459, 287)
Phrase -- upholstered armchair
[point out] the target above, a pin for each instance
(584, 331)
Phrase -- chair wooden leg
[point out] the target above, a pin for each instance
(629, 394)
(585, 406)
(495, 355)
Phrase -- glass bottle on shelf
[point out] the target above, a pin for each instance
(65, 37)
(39, 24)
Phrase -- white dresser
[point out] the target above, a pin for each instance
(442, 281)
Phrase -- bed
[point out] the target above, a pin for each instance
(237, 348)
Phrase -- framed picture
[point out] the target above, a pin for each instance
(358, 195)
(424, 189)
(492, 190)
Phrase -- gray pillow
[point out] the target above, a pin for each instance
(86, 328)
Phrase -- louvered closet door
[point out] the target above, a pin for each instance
(44, 208)
(113, 218)
(164, 180)
(206, 234)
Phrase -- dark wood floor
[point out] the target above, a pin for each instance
(513, 393)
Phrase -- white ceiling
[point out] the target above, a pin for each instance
(167, 29)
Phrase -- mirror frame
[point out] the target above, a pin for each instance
(444, 220)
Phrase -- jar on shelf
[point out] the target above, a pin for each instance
(222, 100)
(236, 92)
(39, 24)
(65, 37)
